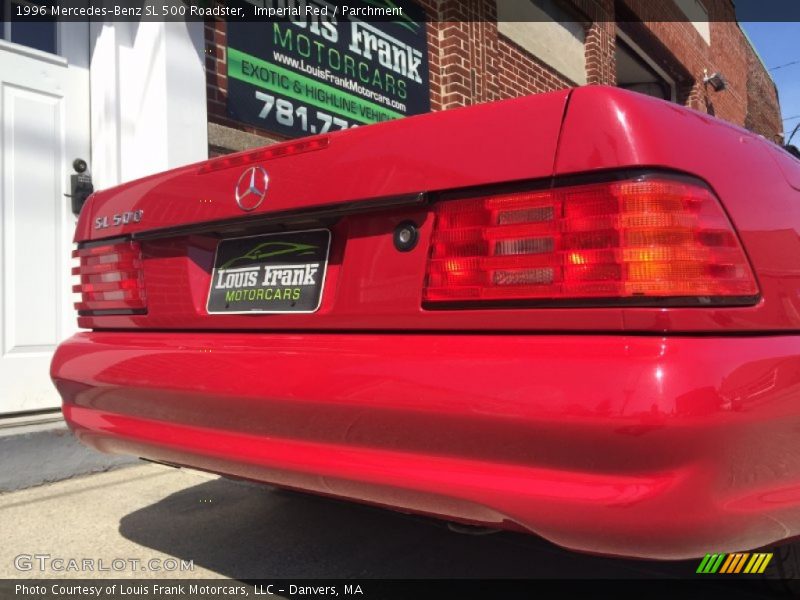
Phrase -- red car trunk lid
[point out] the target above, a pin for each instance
(498, 142)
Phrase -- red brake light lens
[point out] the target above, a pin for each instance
(634, 240)
(275, 151)
(111, 279)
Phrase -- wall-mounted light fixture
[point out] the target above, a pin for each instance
(715, 80)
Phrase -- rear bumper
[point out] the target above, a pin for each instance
(627, 445)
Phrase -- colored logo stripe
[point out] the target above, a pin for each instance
(738, 562)
(731, 560)
(759, 562)
(710, 563)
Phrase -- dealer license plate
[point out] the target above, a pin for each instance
(270, 273)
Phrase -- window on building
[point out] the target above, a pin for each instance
(40, 35)
(638, 73)
(548, 32)
(697, 15)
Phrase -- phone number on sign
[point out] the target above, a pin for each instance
(285, 113)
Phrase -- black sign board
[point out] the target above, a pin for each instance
(271, 273)
(327, 70)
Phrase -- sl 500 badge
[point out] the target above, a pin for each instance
(119, 219)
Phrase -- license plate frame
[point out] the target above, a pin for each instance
(244, 265)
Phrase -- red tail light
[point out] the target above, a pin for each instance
(111, 279)
(645, 239)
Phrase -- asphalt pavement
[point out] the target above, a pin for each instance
(153, 521)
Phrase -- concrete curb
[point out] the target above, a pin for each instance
(39, 453)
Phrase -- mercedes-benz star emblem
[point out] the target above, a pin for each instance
(251, 188)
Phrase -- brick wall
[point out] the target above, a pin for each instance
(762, 98)
(471, 62)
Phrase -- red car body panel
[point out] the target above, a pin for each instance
(661, 432)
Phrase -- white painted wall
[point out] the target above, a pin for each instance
(557, 43)
(148, 99)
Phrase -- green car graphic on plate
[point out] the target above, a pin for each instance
(270, 249)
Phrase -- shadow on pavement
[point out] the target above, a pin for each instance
(246, 531)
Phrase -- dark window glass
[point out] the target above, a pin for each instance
(35, 34)
(634, 74)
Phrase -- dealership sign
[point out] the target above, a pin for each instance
(324, 70)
